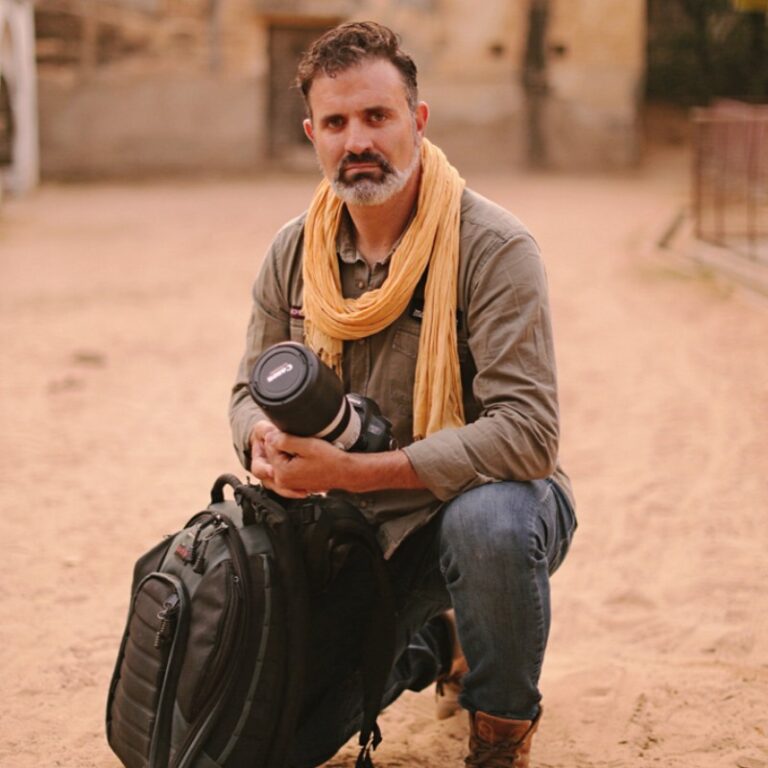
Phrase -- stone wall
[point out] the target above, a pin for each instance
(19, 168)
(595, 82)
(187, 86)
(171, 123)
(584, 104)
(138, 89)
(470, 58)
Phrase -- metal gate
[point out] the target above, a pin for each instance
(730, 177)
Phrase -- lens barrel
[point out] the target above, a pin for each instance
(300, 394)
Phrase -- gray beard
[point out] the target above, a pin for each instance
(368, 191)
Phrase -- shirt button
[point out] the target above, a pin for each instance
(361, 341)
(360, 284)
(363, 504)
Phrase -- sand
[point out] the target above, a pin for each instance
(122, 314)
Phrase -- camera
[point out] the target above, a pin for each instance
(302, 396)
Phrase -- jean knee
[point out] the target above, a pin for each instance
(492, 525)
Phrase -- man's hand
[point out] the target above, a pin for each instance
(304, 464)
(297, 466)
(292, 466)
(261, 465)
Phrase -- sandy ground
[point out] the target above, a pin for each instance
(122, 313)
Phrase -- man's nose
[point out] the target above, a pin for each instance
(358, 139)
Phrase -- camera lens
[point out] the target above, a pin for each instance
(300, 394)
(303, 396)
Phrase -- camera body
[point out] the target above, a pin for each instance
(303, 396)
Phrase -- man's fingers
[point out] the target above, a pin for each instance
(294, 445)
(284, 492)
(275, 455)
(261, 429)
(261, 469)
(261, 466)
(289, 494)
(290, 444)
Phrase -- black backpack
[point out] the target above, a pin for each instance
(211, 668)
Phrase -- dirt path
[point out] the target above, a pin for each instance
(122, 313)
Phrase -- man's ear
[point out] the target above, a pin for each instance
(422, 116)
(308, 130)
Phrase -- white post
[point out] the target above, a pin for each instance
(17, 64)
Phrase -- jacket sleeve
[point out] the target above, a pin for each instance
(516, 434)
(269, 324)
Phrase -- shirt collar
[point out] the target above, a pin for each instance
(345, 240)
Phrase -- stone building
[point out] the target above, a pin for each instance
(136, 87)
(18, 98)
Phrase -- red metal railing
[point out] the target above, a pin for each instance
(730, 177)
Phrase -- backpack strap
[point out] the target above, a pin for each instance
(311, 538)
(334, 527)
(259, 505)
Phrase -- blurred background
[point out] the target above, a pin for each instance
(108, 88)
(117, 89)
(150, 149)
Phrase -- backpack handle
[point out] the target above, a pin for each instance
(217, 492)
(254, 500)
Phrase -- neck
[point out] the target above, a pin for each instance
(378, 227)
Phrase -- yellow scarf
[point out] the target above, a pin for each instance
(432, 239)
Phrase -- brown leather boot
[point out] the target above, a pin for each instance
(496, 742)
(448, 684)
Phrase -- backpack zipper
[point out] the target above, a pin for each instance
(171, 616)
(206, 718)
(223, 649)
(167, 615)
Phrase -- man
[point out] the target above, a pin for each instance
(432, 301)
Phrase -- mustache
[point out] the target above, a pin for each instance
(369, 156)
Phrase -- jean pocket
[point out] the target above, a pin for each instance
(565, 527)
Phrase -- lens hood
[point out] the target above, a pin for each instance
(299, 393)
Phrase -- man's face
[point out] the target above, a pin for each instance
(365, 135)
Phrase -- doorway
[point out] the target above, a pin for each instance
(287, 42)
(7, 127)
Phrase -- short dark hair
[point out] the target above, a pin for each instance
(349, 44)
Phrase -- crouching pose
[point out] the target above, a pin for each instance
(431, 300)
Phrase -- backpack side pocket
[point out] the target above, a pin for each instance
(140, 704)
(216, 611)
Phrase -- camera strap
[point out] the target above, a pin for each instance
(416, 306)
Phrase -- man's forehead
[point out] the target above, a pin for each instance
(367, 84)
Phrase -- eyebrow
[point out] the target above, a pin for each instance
(366, 111)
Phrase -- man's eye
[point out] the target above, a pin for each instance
(377, 117)
(334, 122)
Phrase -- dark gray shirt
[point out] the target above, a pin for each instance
(505, 350)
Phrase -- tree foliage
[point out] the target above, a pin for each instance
(699, 50)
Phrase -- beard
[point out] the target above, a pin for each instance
(372, 188)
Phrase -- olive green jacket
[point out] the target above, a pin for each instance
(505, 350)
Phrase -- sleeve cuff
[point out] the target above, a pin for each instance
(442, 464)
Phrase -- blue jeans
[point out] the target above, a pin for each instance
(489, 554)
